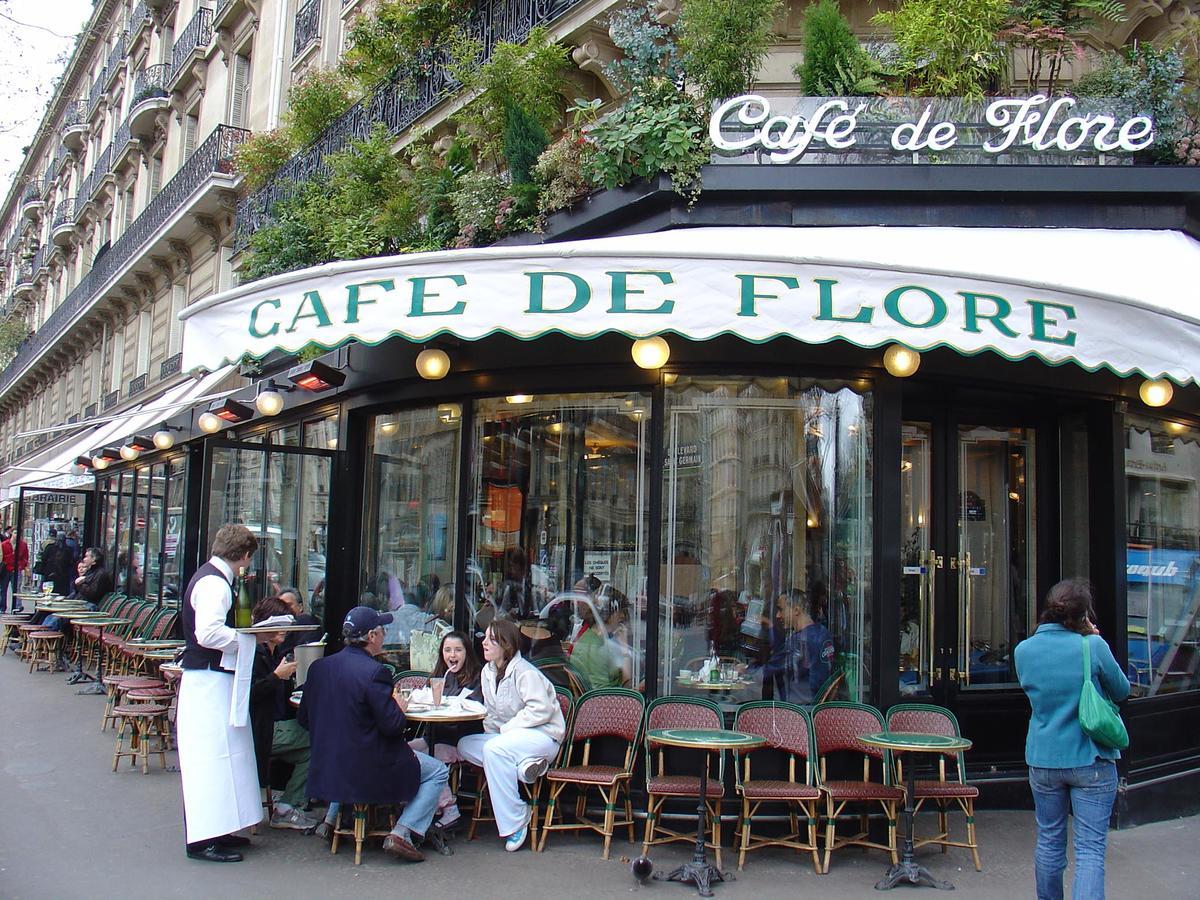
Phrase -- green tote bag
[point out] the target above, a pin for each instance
(1098, 716)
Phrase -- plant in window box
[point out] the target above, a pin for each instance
(835, 64)
(724, 44)
(261, 155)
(397, 32)
(315, 101)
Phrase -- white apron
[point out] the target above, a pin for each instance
(216, 760)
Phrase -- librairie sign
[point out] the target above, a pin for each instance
(1009, 291)
(1036, 124)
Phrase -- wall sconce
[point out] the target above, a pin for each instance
(316, 376)
(651, 352)
(269, 401)
(1156, 392)
(163, 439)
(134, 447)
(208, 423)
(449, 413)
(900, 361)
(105, 456)
(433, 364)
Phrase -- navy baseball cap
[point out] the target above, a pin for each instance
(361, 620)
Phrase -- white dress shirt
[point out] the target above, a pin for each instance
(212, 598)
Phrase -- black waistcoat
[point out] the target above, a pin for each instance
(194, 656)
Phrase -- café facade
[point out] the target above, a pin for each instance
(901, 397)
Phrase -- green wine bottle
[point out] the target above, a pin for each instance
(241, 603)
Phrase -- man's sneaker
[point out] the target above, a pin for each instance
(516, 840)
(533, 768)
(293, 819)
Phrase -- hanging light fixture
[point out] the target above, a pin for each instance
(208, 423)
(651, 352)
(99, 463)
(269, 401)
(102, 458)
(433, 364)
(163, 439)
(900, 361)
(1156, 392)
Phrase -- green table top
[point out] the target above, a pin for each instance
(915, 742)
(106, 622)
(705, 738)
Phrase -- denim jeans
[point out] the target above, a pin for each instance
(418, 813)
(1087, 792)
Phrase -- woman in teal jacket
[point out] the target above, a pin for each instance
(1068, 771)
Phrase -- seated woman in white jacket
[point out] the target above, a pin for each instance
(522, 731)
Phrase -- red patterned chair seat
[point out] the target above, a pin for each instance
(133, 682)
(90, 630)
(150, 694)
(139, 709)
(949, 789)
(111, 640)
(683, 786)
(861, 790)
(766, 789)
(586, 774)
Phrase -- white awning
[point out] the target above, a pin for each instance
(1122, 300)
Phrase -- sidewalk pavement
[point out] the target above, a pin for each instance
(70, 827)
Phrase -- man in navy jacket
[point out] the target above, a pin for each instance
(356, 723)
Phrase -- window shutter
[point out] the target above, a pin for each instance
(128, 210)
(155, 176)
(190, 125)
(238, 110)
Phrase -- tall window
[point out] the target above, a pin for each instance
(191, 126)
(118, 358)
(145, 327)
(239, 100)
(1162, 470)
(174, 325)
(766, 537)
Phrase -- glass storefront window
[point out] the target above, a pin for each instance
(1162, 470)
(119, 552)
(322, 434)
(766, 539)
(139, 524)
(559, 527)
(172, 550)
(409, 528)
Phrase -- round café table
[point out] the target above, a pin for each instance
(698, 870)
(900, 743)
(101, 625)
(83, 615)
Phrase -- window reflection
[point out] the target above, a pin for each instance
(409, 529)
(559, 529)
(766, 539)
(1162, 467)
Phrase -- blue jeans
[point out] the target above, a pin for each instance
(418, 813)
(1088, 793)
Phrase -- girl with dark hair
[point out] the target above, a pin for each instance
(1068, 771)
(93, 583)
(522, 731)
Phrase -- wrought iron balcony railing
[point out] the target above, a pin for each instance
(122, 138)
(214, 156)
(33, 191)
(139, 15)
(116, 56)
(75, 114)
(110, 399)
(397, 103)
(196, 35)
(64, 213)
(102, 167)
(97, 90)
(307, 27)
(137, 385)
(172, 365)
(150, 82)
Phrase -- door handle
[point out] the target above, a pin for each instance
(935, 562)
(965, 610)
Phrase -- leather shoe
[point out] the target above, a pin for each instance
(232, 840)
(398, 846)
(215, 853)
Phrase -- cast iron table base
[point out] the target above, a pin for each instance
(907, 871)
(699, 871)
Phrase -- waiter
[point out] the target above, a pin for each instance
(216, 760)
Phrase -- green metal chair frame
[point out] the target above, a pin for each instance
(964, 798)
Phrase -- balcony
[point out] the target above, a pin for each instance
(110, 400)
(83, 197)
(138, 19)
(116, 58)
(41, 260)
(137, 385)
(122, 145)
(24, 279)
(75, 125)
(150, 97)
(31, 199)
(307, 28)
(190, 45)
(209, 167)
(63, 225)
(96, 92)
(172, 365)
(102, 173)
(397, 104)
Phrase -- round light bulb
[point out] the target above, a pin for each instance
(651, 353)
(900, 361)
(433, 364)
(164, 440)
(208, 423)
(129, 454)
(269, 402)
(1157, 392)
(78, 469)
(99, 462)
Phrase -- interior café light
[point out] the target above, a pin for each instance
(316, 376)
(208, 423)
(388, 428)
(449, 412)
(651, 352)
(269, 401)
(433, 363)
(518, 399)
(901, 361)
(1156, 392)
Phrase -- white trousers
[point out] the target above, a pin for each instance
(500, 755)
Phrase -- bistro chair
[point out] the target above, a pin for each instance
(566, 703)
(145, 722)
(563, 674)
(112, 639)
(604, 713)
(837, 727)
(43, 649)
(362, 821)
(788, 731)
(117, 686)
(671, 782)
(11, 632)
(947, 787)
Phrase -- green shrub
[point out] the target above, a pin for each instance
(476, 202)
(315, 102)
(948, 49)
(1146, 81)
(835, 65)
(724, 42)
(397, 33)
(261, 155)
(524, 141)
(561, 172)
